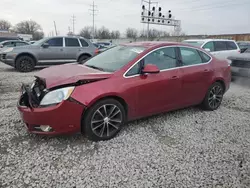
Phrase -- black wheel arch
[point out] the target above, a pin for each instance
(83, 54)
(26, 54)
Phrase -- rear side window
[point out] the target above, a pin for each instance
(55, 42)
(205, 57)
(190, 56)
(84, 43)
(220, 45)
(70, 42)
(209, 45)
(231, 45)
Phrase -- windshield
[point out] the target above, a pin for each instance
(39, 42)
(194, 43)
(114, 58)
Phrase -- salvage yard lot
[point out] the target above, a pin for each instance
(185, 148)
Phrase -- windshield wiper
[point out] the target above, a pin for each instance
(94, 67)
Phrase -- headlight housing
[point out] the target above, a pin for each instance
(57, 96)
(8, 50)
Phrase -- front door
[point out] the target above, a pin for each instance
(52, 54)
(157, 92)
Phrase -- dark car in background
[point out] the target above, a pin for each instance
(244, 46)
(240, 65)
(9, 38)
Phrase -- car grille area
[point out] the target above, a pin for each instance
(3, 56)
(240, 64)
(32, 95)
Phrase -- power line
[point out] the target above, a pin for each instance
(93, 10)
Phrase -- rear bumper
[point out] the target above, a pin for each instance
(64, 118)
(240, 72)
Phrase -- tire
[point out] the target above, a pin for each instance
(97, 127)
(213, 98)
(83, 59)
(25, 64)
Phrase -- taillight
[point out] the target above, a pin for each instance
(96, 51)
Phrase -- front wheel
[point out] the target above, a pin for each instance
(214, 97)
(104, 120)
(25, 64)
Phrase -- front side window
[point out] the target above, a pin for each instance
(114, 58)
(220, 46)
(231, 45)
(164, 58)
(209, 45)
(55, 42)
(71, 42)
(190, 56)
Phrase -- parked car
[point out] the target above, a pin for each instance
(240, 66)
(49, 51)
(124, 83)
(244, 45)
(9, 38)
(220, 48)
(12, 43)
(100, 47)
(105, 44)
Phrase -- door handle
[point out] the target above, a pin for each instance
(206, 70)
(174, 77)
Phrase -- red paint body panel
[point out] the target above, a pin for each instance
(68, 74)
(58, 117)
(144, 95)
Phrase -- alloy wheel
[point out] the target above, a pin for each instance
(106, 120)
(215, 96)
(25, 64)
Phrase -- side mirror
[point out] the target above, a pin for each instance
(151, 69)
(45, 45)
(207, 49)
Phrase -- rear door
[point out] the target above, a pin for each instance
(72, 48)
(196, 75)
(232, 48)
(52, 54)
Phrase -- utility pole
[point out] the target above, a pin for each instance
(149, 2)
(55, 27)
(73, 23)
(93, 10)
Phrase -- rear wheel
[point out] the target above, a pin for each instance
(214, 97)
(104, 120)
(25, 64)
(83, 59)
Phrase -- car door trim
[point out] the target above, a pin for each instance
(163, 70)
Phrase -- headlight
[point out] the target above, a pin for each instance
(57, 96)
(8, 50)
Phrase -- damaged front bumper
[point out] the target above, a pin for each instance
(63, 118)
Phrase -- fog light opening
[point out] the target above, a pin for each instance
(45, 128)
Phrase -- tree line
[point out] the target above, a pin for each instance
(25, 27)
(33, 28)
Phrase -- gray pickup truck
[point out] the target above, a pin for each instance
(49, 51)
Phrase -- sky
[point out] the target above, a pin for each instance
(197, 16)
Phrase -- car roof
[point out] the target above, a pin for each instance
(152, 44)
(207, 40)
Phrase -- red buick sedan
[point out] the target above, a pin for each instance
(124, 83)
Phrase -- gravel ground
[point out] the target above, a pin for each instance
(185, 148)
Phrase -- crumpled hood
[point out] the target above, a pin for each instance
(68, 74)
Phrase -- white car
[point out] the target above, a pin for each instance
(220, 48)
